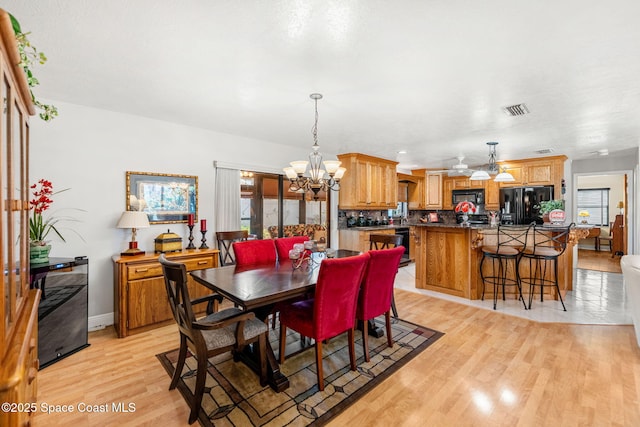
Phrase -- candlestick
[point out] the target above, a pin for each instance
(190, 219)
(203, 225)
(191, 245)
(204, 239)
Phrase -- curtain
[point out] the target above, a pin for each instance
(227, 200)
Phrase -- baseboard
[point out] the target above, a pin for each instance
(100, 321)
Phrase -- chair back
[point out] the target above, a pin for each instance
(175, 281)
(336, 295)
(384, 241)
(251, 252)
(225, 239)
(376, 291)
(550, 242)
(285, 244)
(513, 236)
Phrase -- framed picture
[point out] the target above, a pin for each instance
(164, 197)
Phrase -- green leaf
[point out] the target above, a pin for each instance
(15, 24)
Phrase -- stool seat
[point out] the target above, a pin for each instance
(501, 250)
(543, 252)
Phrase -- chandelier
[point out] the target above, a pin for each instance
(314, 180)
(492, 169)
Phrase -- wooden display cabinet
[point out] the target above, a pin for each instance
(19, 305)
(369, 183)
(140, 301)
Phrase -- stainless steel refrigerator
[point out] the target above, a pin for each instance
(520, 205)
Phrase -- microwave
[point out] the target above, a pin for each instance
(474, 196)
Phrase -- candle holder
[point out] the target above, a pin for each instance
(204, 240)
(191, 245)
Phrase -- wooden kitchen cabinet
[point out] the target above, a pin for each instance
(140, 296)
(415, 188)
(543, 171)
(369, 183)
(491, 195)
(433, 191)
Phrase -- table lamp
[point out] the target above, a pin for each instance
(133, 220)
(621, 207)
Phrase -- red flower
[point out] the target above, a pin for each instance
(465, 207)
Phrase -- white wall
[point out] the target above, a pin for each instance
(89, 150)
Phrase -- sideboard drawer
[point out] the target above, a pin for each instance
(143, 271)
(199, 263)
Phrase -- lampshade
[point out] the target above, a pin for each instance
(620, 204)
(479, 176)
(133, 220)
(504, 176)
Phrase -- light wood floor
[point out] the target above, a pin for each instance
(600, 261)
(489, 369)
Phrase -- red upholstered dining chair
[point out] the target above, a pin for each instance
(220, 332)
(331, 312)
(376, 291)
(285, 244)
(254, 252)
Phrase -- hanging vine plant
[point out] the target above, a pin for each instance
(29, 56)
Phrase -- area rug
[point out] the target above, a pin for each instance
(233, 396)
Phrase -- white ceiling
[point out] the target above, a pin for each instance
(429, 77)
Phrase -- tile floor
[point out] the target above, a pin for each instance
(598, 298)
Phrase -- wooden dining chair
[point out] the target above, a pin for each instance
(254, 252)
(285, 244)
(376, 291)
(332, 310)
(386, 241)
(225, 239)
(226, 330)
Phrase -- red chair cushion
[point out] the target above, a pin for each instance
(333, 308)
(285, 244)
(254, 252)
(376, 291)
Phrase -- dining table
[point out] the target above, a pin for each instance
(258, 288)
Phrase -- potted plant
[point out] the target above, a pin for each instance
(547, 206)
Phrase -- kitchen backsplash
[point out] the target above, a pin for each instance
(413, 217)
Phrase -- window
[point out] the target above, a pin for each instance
(267, 201)
(595, 201)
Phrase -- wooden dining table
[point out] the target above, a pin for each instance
(258, 288)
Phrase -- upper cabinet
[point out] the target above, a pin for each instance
(414, 185)
(369, 183)
(542, 171)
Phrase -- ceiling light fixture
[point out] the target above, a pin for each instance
(504, 176)
(492, 168)
(315, 180)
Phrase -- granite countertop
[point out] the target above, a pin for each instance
(379, 227)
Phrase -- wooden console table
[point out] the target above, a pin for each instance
(140, 300)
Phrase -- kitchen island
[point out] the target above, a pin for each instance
(448, 259)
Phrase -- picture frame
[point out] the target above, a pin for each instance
(166, 198)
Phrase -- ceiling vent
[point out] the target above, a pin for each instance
(545, 151)
(516, 110)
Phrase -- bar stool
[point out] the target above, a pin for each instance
(549, 243)
(510, 243)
